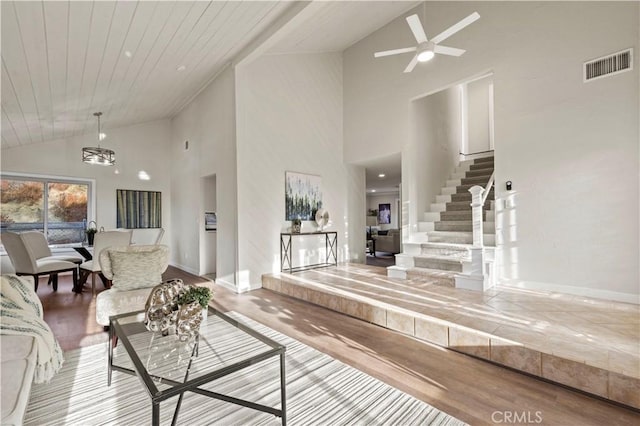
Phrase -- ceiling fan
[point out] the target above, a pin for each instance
(426, 49)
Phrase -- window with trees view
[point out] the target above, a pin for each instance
(57, 208)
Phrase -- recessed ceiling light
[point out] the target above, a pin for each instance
(128, 53)
(142, 175)
(181, 68)
(381, 175)
(116, 171)
(373, 190)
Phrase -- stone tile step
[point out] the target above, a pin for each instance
(463, 226)
(459, 215)
(445, 249)
(479, 337)
(458, 237)
(456, 206)
(464, 189)
(436, 276)
(440, 263)
(457, 251)
(475, 180)
(488, 159)
(481, 166)
(453, 182)
(466, 196)
(479, 172)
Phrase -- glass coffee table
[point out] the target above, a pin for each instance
(167, 367)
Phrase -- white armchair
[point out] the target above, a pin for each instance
(133, 272)
(102, 240)
(25, 262)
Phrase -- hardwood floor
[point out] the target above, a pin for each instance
(472, 390)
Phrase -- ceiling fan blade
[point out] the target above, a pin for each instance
(412, 64)
(451, 51)
(394, 52)
(456, 27)
(416, 28)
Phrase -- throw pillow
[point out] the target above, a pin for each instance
(136, 269)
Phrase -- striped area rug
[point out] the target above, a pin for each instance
(320, 391)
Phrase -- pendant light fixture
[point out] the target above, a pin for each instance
(98, 155)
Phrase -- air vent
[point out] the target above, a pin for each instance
(608, 65)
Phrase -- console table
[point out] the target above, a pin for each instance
(286, 250)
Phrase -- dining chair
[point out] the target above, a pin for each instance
(101, 241)
(37, 243)
(25, 262)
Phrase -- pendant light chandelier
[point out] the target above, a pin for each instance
(98, 155)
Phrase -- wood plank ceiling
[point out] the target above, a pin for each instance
(138, 61)
(62, 61)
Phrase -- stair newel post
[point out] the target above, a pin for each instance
(477, 202)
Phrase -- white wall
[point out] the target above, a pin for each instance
(478, 103)
(208, 123)
(570, 148)
(139, 147)
(432, 150)
(373, 201)
(289, 112)
(208, 239)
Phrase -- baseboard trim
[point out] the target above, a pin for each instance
(578, 291)
(184, 268)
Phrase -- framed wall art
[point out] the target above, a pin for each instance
(303, 196)
(384, 214)
(138, 209)
(210, 221)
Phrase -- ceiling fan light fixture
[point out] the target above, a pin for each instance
(425, 52)
(96, 154)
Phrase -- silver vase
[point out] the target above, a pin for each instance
(189, 320)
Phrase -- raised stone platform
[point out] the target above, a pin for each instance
(588, 344)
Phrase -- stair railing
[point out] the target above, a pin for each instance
(478, 198)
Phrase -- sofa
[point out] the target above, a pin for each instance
(23, 357)
(132, 272)
(389, 243)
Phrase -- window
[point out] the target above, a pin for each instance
(57, 207)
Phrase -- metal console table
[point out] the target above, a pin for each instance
(286, 250)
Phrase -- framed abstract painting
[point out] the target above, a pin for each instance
(138, 209)
(303, 196)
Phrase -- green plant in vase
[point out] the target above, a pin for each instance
(202, 295)
(193, 303)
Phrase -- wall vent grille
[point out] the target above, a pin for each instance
(608, 65)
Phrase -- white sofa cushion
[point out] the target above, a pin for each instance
(113, 302)
(132, 270)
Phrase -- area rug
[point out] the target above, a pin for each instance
(320, 391)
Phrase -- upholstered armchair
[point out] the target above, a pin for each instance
(102, 240)
(25, 262)
(133, 272)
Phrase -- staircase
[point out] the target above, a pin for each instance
(441, 249)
